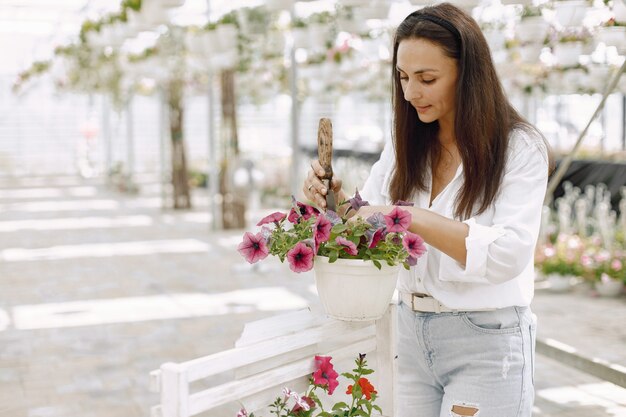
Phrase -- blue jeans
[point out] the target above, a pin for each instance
(465, 363)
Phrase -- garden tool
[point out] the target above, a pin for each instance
(325, 156)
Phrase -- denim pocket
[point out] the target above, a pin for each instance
(505, 321)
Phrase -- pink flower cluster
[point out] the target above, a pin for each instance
(301, 252)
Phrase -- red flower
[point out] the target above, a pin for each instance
(398, 220)
(272, 218)
(321, 230)
(348, 245)
(253, 248)
(325, 375)
(367, 388)
(414, 244)
(300, 258)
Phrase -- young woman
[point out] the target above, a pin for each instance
(477, 174)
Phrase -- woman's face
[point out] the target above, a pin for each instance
(428, 78)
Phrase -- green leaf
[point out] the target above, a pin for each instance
(377, 408)
(349, 375)
(367, 371)
(338, 228)
(377, 264)
(340, 405)
(332, 256)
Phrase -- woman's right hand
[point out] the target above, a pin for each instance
(315, 190)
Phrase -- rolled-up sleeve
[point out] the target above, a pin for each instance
(501, 241)
(376, 188)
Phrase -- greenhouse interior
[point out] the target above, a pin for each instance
(152, 151)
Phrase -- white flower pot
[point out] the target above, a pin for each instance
(300, 37)
(532, 29)
(570, 13)
(530, 53)
(559, 283)
(354, 290)
(609, 287)
(567, 54)
(277, 5)
(227, 34)
(613, 36)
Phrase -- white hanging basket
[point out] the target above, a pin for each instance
(613, 36)
(570, 13)
(532, 29)
(567, 54)
(530, 53)
(353, 289)
(560, 283)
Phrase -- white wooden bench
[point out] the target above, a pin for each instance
(277, 352)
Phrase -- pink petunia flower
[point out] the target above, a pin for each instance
(616, 264)
(300, 257)
(321, 230)
(253, 248)
(325, 375)
(275, 217)
(242, 413)
(348, 245)
(300, 210)
(398, 220)
(377, 236)
(414, 244)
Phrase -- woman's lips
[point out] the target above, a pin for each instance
(422, 109)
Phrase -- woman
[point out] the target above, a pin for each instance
(477, 173)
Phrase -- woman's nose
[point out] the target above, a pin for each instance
(411, 91)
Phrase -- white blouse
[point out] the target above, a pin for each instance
(499, 270)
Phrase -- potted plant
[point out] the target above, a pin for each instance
(560, 263)
(606, 269)
(361, 394)
(355, 261)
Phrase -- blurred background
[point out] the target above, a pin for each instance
(139, 139)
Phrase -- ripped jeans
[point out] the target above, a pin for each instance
(465, 363)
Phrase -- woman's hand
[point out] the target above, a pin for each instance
(315, 190)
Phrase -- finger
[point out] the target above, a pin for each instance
(317, 168)
(335, 184)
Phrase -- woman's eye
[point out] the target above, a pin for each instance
(428, 81)
(404, 78)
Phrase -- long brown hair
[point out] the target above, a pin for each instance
(484, 117)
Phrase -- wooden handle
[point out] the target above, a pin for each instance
(325, 146)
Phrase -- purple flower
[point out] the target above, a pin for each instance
(242, 413)
(300, 257)
(414, 244)
(377, 220)
(357, 202)
(276, 218)
(333, 217)
(411, 260)
(398, 220)
(347, 245)
(253, 248)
